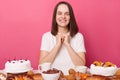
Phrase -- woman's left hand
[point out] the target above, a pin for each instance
(66, 39)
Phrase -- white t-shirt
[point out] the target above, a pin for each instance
(63, 61)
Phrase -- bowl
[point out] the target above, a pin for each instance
(82, 69)
(53, 76)
(105, 71)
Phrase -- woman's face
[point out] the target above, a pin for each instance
(62, 16)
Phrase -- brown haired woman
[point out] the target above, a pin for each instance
(63, 47)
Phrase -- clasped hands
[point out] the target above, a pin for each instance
(63, 39)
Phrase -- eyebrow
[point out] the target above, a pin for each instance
(61, 11)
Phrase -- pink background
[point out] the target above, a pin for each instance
(22, 23)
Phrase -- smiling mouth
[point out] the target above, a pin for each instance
(62, 21)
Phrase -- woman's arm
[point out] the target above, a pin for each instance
(77, 58)
(46, 56)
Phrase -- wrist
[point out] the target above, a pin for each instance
(67, 45)
(58, 45)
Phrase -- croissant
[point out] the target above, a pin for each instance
(97, 77)
(37, 76)
(108, 64)
(98, 63)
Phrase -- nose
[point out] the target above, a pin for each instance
(63, 15)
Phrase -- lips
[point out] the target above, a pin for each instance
(62, 20)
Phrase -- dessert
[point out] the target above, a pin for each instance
(98, 63)
(2, 76)
(97, 77)
(20, 76)
(105, 69)
(10, 78)
(30, 73)
(18, 66)
(51, 71)
(73, 75)
(27, 77)
(37, 76)
(117, 72)
(108, 64)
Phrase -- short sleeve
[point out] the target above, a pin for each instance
(80, 46)
(45, 42)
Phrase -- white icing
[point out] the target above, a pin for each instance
(105, 71)
(17, 66)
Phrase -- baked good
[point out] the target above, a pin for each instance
(71, 71)
(27, 77)
(23, 76)
(30, 73)
(97, 77)
(19, 77)
(2, 76)
(98, 63)
(18, 66)
(105, 69)
(117, 72)
(108, 64)
(37, 76)
(10, 78)
(71, 75)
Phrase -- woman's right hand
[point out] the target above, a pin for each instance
(59, 39)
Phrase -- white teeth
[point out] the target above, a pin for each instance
(62, 20)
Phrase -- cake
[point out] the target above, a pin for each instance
(18, 66)
(105, 69)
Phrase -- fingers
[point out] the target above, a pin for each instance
(63, 39)
(59, 39)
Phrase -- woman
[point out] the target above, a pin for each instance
(63, 47)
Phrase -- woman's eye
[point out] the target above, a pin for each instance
(67, 13)
(59, 13)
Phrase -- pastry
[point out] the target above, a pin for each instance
(2, 76)
(97, 63)
(105, 69)
(71, 75)
(108, 64)
(117, 72)
(37, 76)
(18, 66)
(97, 77)
(27, 77)
(19, 77)
(72, 71)
(10, 78)
(30, 73)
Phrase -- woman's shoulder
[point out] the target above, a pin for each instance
(47, 34)
(79, 34)
(78, 37)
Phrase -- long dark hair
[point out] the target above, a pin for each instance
(72, 26)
